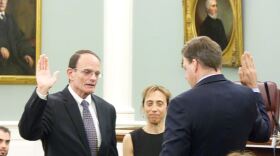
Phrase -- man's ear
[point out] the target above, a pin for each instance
(195, 65)
(70, 73)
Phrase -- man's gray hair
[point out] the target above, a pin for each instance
(207, 4)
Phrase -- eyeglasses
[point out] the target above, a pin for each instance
(89, 72)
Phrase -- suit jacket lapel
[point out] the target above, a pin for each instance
(99, 111)
(74, 113)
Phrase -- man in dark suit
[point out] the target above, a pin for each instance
(65, 126)
(17, 55)
(216, 116)
(212, 26)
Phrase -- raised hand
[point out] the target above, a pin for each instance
(247, 71)
(45, 80)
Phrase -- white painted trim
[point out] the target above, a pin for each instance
(118, 57)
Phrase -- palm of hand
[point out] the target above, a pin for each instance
(247, 71)
(45, 78)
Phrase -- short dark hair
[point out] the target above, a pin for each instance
(205, 50)
(154, 88)
(5, 129)
(75, 57)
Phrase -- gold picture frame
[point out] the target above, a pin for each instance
(230, 13)
(26, 16)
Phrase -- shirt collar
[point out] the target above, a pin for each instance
(77, 97)
(213, 17)
(204, 77)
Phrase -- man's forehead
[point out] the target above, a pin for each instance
(4, 135)
(88, 57)
(213, 2)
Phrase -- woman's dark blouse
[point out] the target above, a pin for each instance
(145, 144)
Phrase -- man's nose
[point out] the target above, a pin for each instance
(3, 145)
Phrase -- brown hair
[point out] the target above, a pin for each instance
(5, 129)
(205, 50)
(75, 57)
(154, 88)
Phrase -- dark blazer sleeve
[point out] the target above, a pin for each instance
(33, 122)
(261, 129)
(177, 126)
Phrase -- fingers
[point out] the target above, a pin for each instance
(242, 76)
(247, 71)
(247, 60)
(38, 67)
(43, 63)
(240, 73)
(244, 60)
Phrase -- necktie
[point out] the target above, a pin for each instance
(90, 128)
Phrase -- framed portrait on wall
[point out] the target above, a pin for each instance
(221, 20)
(20, 40)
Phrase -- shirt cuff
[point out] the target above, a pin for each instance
(41, 96)
(256, 90)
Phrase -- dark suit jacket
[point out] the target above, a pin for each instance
(214, 118)
(15, 41)
(214, 29)
(58, 123)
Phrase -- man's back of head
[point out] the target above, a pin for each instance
(205, 50)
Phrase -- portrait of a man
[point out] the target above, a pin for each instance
(17, 37)
(209, 21)
(221, 20)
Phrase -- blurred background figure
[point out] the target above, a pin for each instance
(17, 55)
(5, 136)
(212, 26)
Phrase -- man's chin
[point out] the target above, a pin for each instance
(90, 88)
(90, 91)
(3, 154)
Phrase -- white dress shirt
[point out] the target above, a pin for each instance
(2, 14)
(92, 110)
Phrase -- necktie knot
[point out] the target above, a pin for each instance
(85, 104)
